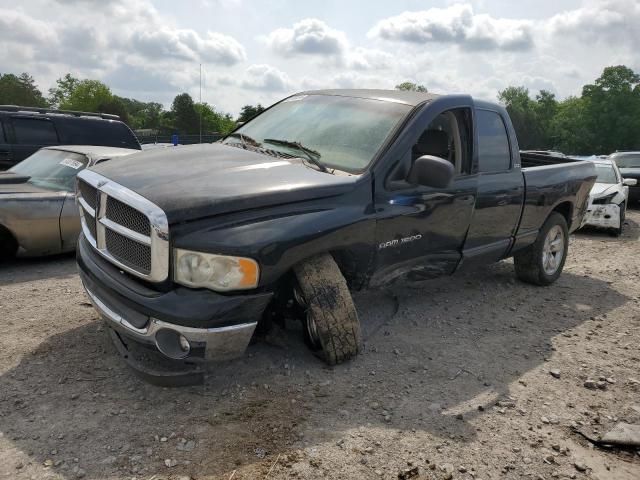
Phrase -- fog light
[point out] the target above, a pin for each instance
(184, 344)
(172, 344)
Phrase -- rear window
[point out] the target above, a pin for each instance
(32, 131)
(493, 144)
(98, 132)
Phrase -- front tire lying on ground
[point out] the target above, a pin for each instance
(542, 262)
(331, 323)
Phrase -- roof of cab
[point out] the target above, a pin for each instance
(397, 96)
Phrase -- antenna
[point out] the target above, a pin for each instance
(201, 106)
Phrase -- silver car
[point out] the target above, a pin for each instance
(38, 214)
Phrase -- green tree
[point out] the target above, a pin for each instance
(115, 106)
(250, 111)
(411, 87)
(62, 91)
(87, 96)
(612, 110)
(522, 110)
(185, 117)
(213, 121)
(568, 127)
(20, 90)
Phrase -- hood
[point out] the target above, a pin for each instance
(11, 177)
(630, 172)
(603, 189)
(26, 188)
(196, 181)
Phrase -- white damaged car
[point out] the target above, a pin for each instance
(608, 198)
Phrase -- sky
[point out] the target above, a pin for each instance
(261, 51)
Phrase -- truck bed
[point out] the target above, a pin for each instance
(551, 181)
(531, 159)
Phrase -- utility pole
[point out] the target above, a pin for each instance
(201, 103)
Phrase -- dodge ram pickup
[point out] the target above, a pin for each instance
(187, 251)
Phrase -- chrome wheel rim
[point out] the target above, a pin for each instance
(553, 250)
(309, 324)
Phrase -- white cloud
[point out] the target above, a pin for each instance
(266, 77)
(457, 24)
(308, 37)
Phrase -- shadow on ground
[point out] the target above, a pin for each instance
(21, 270)
(433, 350)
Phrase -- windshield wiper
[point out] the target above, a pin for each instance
(245, 139)
(312, 155)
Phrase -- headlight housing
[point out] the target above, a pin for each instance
(603, 200)
(217, 272)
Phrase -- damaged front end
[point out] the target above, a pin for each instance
(603, 212)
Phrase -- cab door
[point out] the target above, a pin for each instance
(420, 231)
(500, 191)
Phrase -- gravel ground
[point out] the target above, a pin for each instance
(455, 379)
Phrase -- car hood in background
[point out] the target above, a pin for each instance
(603, 189)
(197, 181)
(10, 177)
(27, 188)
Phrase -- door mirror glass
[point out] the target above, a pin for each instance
(431, 171)
(629, 182)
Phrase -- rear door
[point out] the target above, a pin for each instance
(500, 189)
(31, 134)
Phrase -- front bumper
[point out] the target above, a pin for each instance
(216, 327)
(603, 215)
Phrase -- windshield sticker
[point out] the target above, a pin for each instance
(67, 162)
(297, 98)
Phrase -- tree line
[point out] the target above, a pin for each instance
(604, 118)
(86, 95)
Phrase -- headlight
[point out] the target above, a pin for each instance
(603, 200)
(216, 272)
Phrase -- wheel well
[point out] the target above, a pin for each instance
(565, 209)
(8, 243)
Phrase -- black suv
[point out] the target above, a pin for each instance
(24, 130)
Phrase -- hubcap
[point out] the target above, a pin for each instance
(553, 250)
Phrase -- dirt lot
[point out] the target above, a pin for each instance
(455, 379)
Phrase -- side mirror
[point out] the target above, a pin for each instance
(629, 182)
(431, 171)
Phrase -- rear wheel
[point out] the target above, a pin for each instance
(542, 262)
(332, 328)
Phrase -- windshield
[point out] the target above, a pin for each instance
(626, 160)
(52, 169)
(605, 174)
(339, 132)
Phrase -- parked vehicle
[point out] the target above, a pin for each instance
(608, 198)
(629, 165)
(24, 130)
(323, 191)
(38, 214)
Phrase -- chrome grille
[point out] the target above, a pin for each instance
(91, 224)
(128, 251)
(89, 193)
(128, 217)
(124, 227)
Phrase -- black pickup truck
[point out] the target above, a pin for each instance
(188, 250)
